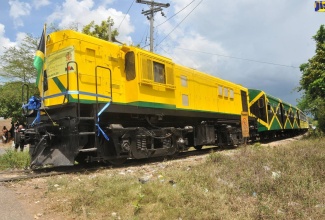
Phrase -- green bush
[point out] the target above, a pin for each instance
(12, 159)
(321, 118)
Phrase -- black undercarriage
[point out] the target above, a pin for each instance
(74, 132)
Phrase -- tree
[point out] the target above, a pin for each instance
(17, 62)
(11, 99)
(313, 79)
(17, 69)
(53, 27)
(100, 31)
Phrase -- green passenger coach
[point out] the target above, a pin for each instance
(275, 118)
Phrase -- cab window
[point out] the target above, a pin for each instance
(130, 66)
(159, 72)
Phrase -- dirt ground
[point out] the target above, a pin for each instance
(32, 193)
(5, 122)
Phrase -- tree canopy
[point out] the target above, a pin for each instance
(11, 99)
(100, 31)
(313, 80)
(17, 61)
(17, 69)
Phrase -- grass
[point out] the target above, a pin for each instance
(12, 160)
(255, 182)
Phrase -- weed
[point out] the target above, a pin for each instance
(255, 182)
(137, 204)
(216, 157)
(314, 133)
(14, 160)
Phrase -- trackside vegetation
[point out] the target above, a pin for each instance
(252, 182)
(14, 160)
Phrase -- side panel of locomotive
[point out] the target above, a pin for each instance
(159, 83)
(110, 102)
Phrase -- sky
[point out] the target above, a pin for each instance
(258, 44)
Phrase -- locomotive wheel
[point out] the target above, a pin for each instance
(111, 152)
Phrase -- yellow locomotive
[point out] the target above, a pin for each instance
(103, 101)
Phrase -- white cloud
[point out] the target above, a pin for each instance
(84, 12)
(40, 3)
(185, 52)
(4, 41)
(20, 36)
(17, 10)
(272, 31)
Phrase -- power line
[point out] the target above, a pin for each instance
(175, 58)
(125, 15)
(144, 36)
(238, 58)
(214, 54)
(179, 23)
(175, 14)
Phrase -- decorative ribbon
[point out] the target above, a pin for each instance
(34, 104)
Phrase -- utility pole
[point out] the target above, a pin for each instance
(109, 32)
(109, 29)
(154, 7)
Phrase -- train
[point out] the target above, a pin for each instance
(102, 101)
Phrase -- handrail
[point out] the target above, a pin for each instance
(111, 97)
(68, 85)
(23, 92)
(68, 81)
(22, 97)
(110, 78)
(78, 92)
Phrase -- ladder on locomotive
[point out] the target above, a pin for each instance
(96, 114)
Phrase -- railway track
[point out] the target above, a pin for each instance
(18, 175)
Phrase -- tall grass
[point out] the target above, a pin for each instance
(11, 159)
(256, 182)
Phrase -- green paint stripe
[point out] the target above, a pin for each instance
(166, 106)
(59, 84)
(152, 105)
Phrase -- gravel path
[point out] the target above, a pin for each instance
(11, 207)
